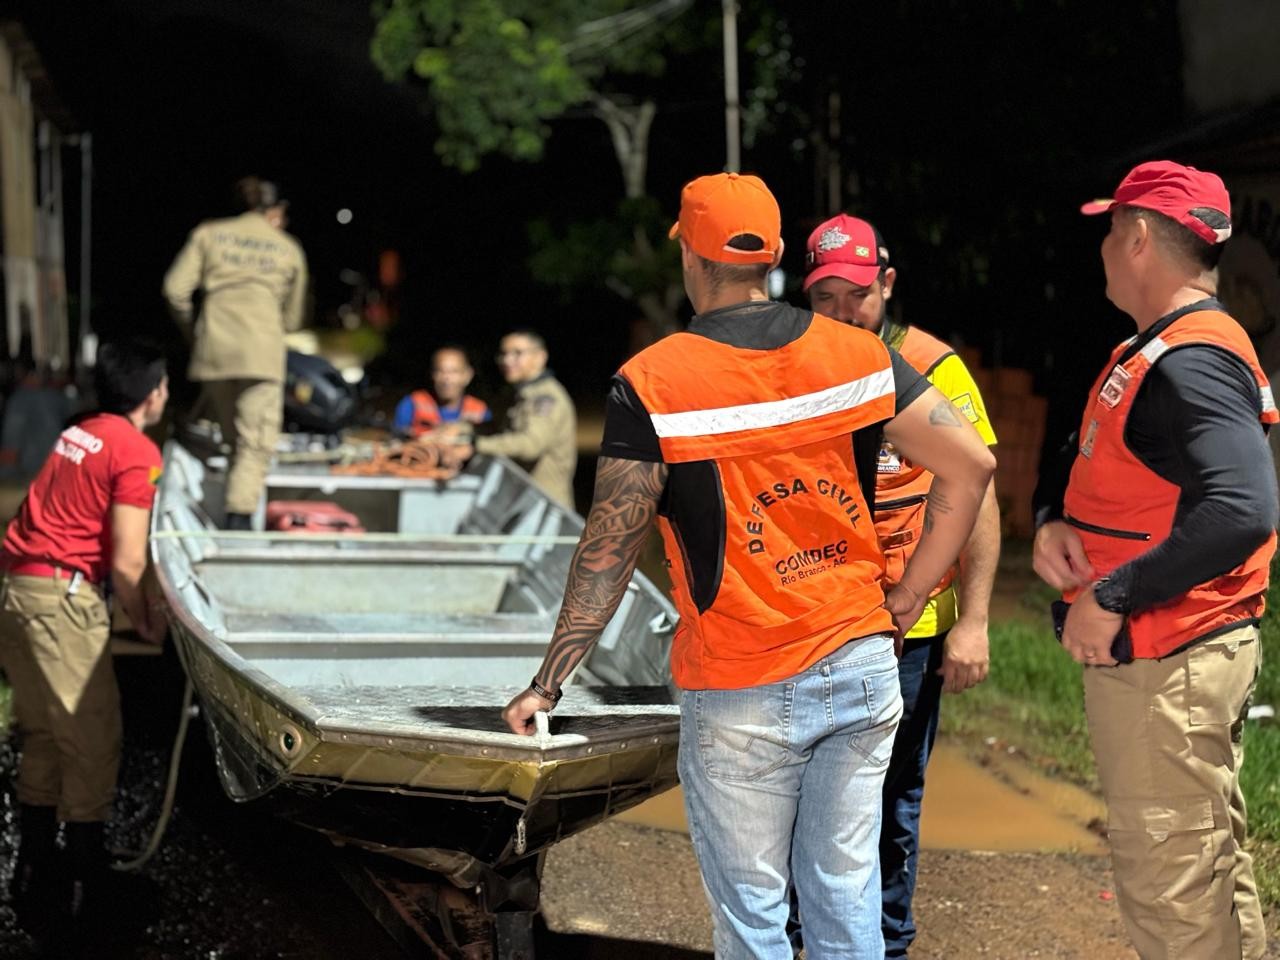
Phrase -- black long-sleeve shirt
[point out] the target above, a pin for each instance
(1194, 422)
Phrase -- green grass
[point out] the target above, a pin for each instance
(1034, 700)
(1260, 775)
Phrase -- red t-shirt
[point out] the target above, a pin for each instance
(66, 517)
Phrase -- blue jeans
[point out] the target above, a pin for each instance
(782, 784)
(904, 789)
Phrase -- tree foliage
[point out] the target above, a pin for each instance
(628, 253)
(499, 71)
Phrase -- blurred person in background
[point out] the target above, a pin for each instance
(541, 432)
(253, 277)
(447, 401)
(34, 415)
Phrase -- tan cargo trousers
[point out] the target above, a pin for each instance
(249, 413)
(53, 647)
(1167, 735)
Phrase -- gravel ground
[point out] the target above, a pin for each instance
(997, 906)
(229, 883)
(636, 883)
(232, 884)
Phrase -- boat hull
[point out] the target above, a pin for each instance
(362, 722)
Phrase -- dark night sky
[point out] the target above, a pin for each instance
(975, 129)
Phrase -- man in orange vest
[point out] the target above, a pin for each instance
(1161, 539)
(447, 401)
(752, 437)
(850, 280)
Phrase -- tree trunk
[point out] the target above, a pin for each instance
(629, 129)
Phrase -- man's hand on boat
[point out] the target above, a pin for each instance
(455, 432)
(519, 712)
(156, 627)
(452, 441)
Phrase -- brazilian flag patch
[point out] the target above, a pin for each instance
(153, 475)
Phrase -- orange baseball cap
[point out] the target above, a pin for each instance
(723, 206)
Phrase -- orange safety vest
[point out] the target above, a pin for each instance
(902, 487)
(800, 565)
(426, 412)
(1121, 508)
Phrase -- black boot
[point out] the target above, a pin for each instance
(87, 873)
(36, 888)
(238, 521)
(109, 909)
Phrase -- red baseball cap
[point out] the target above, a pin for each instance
(1176, 191)
(717, 208)
(845, 247)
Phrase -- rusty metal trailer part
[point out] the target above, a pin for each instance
(429, 917)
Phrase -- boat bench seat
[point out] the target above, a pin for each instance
(382, 627)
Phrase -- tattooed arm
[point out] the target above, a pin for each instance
(626, 499)
(932, 433)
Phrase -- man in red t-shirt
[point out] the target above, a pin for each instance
(84, 520)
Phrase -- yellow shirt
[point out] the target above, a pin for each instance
(952, 377)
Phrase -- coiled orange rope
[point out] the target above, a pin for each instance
(421, 459)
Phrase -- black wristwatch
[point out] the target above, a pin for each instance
(544, 693)
(1111, 595)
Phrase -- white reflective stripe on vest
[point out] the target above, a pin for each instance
(1154, 350)
(775, 413)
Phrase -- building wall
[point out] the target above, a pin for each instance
(31, 228)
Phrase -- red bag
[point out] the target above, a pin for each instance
(319, 516)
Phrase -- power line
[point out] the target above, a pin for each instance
(595, 35)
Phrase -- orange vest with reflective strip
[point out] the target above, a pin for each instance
(902, 487)
(1121, 508)
(801, 567)
(426, 412)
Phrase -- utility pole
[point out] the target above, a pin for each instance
(732, 133)
(86, 241)
(835, 177)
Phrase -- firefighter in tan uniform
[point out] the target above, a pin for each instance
(254, 279)
(542, 425)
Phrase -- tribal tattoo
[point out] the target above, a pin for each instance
(936, 504)
(626, 499)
